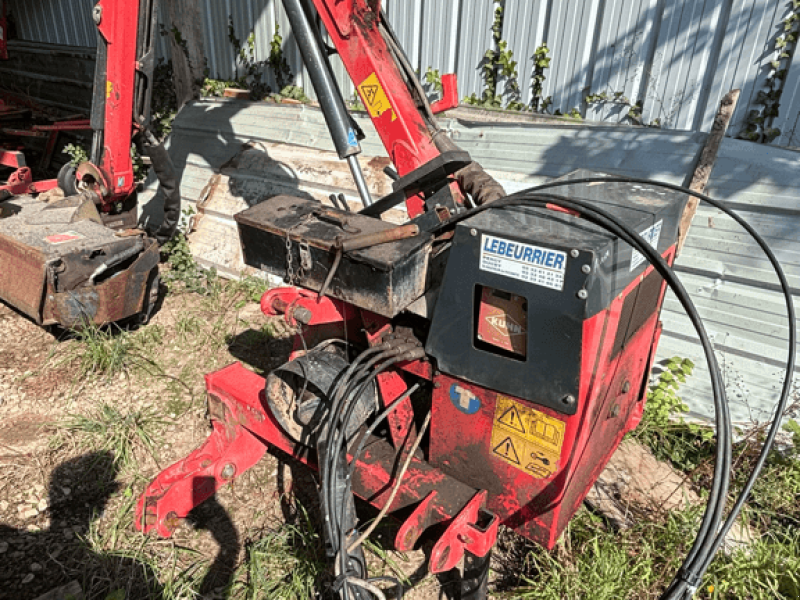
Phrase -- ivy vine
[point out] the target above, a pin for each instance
(498, 61)
(541, 61)
(759, 125)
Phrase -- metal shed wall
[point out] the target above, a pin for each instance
(678, 58)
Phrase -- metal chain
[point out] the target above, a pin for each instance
(293, 278)
(289, 269)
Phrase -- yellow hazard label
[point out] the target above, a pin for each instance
(375, 98)
(526, 438)
(109, 89)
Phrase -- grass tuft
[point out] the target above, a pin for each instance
(285, 564)
(123, 434)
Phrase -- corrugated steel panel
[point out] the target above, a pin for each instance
(678, 57)
(744, 58)
(625, 47)
(67, 22)
(571, 35)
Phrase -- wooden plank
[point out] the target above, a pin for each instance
(707, 158)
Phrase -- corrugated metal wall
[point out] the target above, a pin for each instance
(678, 57)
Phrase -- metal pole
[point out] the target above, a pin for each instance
(361, 182)
(330, 99)
(344, 137)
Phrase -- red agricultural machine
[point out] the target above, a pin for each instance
(476, 366)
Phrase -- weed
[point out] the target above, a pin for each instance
(108, 351)
(285, 564)
(669, 436)
(76, 153)
(164, 104)
(292, 92)
(122, 433)
(759, 122)
(246, 61)
(251, 287)
(434, 79)
(498, 61)
(183, 269)
(277, 61)
(541, 61)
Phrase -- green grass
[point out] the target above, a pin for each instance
(103, 352)
(123, 433)
(284, 564)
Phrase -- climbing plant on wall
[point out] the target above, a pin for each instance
(759, 124)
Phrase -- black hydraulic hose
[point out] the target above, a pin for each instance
(783, 399)
(339, 515)
(168, 180)
(324, 471)
(713, 513)
(334, 444)
(370, 430)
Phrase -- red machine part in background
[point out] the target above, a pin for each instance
(120, 34)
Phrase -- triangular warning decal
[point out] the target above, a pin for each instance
(512, 419)
(370, 91)
(506, 450)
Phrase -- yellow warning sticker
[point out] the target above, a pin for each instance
(375, 98)
(109, 89)
(526, 438)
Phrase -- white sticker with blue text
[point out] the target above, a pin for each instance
(651, 235)
(532, 264)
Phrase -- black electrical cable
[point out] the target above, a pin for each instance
(718, 497)
(791, 358)
(343, 390)
(324, 471)
(345, 402)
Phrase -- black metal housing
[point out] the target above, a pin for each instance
(597, 268)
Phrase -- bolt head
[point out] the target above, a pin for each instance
(583, 294)
(586, 269)
(228, 471)
(473, 232)
(568, 400)
(574, 253)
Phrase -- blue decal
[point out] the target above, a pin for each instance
(351, 138)
(464, 400)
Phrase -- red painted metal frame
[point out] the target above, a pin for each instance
(243, 428)
(353, 27)
(611, 401)
(21, 179)
(449, 94)
(118, 27)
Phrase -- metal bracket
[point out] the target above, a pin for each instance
(466, 534)
(306, 262)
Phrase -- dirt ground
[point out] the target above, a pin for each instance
(67, 501)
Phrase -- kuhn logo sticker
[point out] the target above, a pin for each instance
(532, 264)
(505, 325)
(464, 400)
